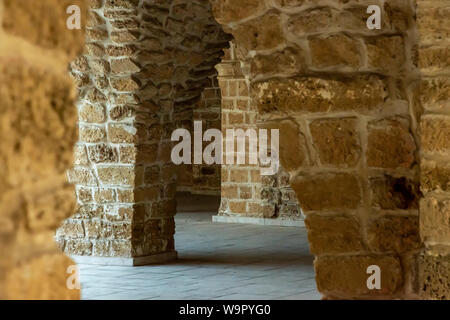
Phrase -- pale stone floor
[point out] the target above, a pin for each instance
(216, 261)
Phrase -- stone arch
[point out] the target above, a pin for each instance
(346, 97)
(145, 65)
(346, 94)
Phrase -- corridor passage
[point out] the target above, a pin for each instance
(216, 261)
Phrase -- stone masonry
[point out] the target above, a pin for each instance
(145, 66)
(341, 95)
(245, 192)
(363, 125)
(433, 94)
(38, 130)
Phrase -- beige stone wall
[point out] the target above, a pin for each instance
(37, 126)
(348, 102)
(341, 95)
(244, 192)
(433, 95)
(203, 178)
(146, 65)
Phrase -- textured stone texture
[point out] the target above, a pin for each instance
(345, 276)
(342, 94)
(349, 98)
(147, 75)
(38, 132)
(433, 262)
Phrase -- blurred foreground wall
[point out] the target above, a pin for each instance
(37, 130)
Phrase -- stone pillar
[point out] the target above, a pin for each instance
(38, 130)
(245, 192)
(145, 66)
(241, 183)
(341, 96)
(433, 95)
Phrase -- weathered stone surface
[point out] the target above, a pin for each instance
(235, 10)
(433, 272)
(435, 132)
(92, 134)
(101, 153)
(27, 281)
(33, 97)
(333, 234)
(335, 50)
(434, 58)
(259, 34)
(434, 176)
(327, 191)
(92, 114)
(432, 23)
(337, 141)
(390, 144)
(319, 94)
(394, 233)
(289, 61)
(311, 21)
(292, 144)
(316, 107)
(386, 53)
(390, 193)
(435, 220)
(346, 276)
(435, 93)
(117, 175)
(43, 23)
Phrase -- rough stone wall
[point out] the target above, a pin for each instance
(341, 95)
(434, 97)
(206, 178)
(241, 184)
(244, 192)
(145, 67)
(37, 126)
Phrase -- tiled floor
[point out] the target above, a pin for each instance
(216, 261)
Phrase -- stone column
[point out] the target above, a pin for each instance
(434, 97)
(245, 192)
(340, 94)
(145, 64)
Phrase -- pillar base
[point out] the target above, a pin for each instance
(130, 262)
(259, 221)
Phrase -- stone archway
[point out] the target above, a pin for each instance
(347, 99)
(146, 64)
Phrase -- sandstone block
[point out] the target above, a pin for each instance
(92, 134)
(390, 193)
(394, 233)
(335, 50)
(92, 114)
(391, 144)
(333, 234)
(433, 273)
(435, 93)
(102, 153)
(309, 94)
(124, 176)
(346, 276)
(327, 191)
(337, 141)
(435, 220)
(435, 132)
(434, 176)
(386, 54)
(262, 33)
